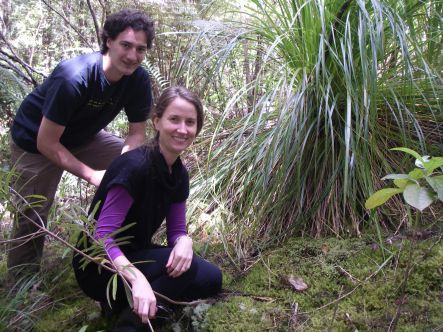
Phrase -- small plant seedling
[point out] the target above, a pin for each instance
(420, 187)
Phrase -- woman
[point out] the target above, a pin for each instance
(144, 186)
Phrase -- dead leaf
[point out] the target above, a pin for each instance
(324, 248)
(297, 283)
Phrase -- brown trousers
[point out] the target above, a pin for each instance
(39, 176)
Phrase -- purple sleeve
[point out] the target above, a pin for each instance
(113, 213)
(176, 222)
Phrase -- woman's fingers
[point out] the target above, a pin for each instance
(178, 263)
(181, 267)
(181, 257)
(145, 308)
(136, 304)
(144, 312)
(170, 259)
(152, 310)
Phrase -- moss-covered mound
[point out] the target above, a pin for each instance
(352, 284)
(305, 285)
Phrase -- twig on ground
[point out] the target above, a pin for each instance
(355, 288)
(228, 293)
(402, 287)
(351, 277)
(336, 307)
(293, 322)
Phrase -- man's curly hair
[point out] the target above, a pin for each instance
(120, 21)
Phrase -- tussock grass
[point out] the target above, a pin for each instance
(298, 149)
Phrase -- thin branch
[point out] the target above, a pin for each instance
(19, 60)
(15, 69)
(69, 23)
(14, 57)
(113, 269)
(23, 238)
(355, 288)
(102, 4)
(94, 17)
(294, 320)
(350, 276)
(42, 228)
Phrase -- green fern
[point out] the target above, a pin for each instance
(155, 74)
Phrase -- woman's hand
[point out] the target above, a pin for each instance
(145, 303)
(180, 258)
(143, 298)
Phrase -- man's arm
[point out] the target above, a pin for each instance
(136, 136)
(48, 143)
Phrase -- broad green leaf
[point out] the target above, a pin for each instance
(416, 196)
(380, 197)
(401, 183)
(395, 176)
(409, 151)
(433, 163)
(84, 328)
(436, 182)
(416, 174)
(420, 163)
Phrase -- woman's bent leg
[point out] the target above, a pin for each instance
(202, 280)
(207, 281)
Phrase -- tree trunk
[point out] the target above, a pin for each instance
(5, 10)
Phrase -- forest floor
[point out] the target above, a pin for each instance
(329, 284)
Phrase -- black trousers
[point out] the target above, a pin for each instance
(202, 280)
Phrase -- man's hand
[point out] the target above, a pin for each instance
(180, 258)
(96, 177)
(136, 136)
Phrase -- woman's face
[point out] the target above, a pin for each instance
(177, 127)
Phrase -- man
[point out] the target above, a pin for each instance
(59, 126)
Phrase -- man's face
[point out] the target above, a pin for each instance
(125, 53)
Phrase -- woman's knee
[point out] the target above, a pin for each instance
(209, 278)
(216, 279)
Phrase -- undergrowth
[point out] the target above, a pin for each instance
(353, 284)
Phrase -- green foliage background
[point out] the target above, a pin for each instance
(303, 101)
(303, 98)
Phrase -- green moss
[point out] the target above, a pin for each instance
(244, 314)
(60, 317)
(370, 280)
(353, 284)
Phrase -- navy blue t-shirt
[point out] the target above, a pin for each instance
(77, 95)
